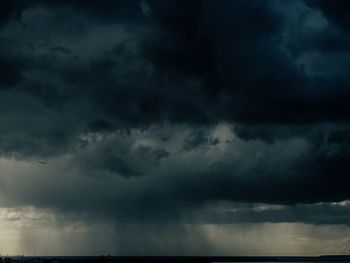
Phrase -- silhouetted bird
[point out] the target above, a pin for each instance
(42, 162)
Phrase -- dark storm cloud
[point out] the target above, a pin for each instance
(241, 52)
(181, 43)
(120, 177)
(337, 11)
(105, 10)
(240, 72)
(320, 213)
(9, 10)
(97, 82)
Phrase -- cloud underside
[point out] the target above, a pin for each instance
(181, 174)
(202, 111)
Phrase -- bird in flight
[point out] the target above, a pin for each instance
(42, 162)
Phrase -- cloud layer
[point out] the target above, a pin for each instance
(202, 111)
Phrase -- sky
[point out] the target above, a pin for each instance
(174, 127)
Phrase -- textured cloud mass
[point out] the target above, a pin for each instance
(200, 113)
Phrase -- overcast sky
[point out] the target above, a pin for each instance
(174, 127)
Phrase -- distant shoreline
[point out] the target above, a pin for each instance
(176, 259)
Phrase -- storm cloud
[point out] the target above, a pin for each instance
(199, 112)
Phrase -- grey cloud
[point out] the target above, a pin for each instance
(152, 179)
(157, 116)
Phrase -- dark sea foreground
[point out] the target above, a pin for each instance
(169, 259)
